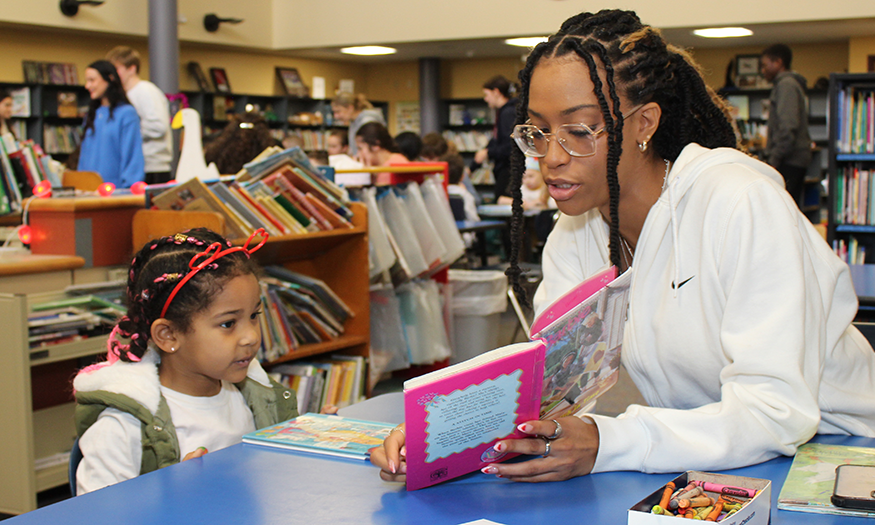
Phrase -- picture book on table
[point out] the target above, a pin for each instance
(811, 478)
(323, 434)
(455, 415)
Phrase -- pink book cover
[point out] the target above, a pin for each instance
(572, 298)
(455, 415)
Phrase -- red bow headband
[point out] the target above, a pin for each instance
(212, 253)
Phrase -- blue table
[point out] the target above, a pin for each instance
(480, 228)
(248, 484)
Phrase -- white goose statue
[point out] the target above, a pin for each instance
(191, 158)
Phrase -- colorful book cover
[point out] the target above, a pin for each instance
(455, 415)
(811, 479)
(323, 434)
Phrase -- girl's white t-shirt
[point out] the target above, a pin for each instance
(112, 447)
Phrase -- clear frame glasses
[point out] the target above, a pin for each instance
(579, 140)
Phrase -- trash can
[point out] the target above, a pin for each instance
(478, 300)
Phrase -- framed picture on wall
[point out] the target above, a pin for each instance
(747, 71)
(195, 70)
(220, 80)
(291, 82)
(871, 64)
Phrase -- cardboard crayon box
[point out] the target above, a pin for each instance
(754, 512)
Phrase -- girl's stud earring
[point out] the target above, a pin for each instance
(643, 146)
(172, 349)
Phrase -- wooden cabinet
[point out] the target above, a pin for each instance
(37, 408)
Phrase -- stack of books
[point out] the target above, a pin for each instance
(282, 193)
(338, 381)
(854, 188)
(298, 310)
(856, 120)
(76, 316)
(23, 165)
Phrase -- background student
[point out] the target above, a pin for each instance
(5, 112)
(357, 111)
(154, 112)
(377, 148)
(111, 142)
(788, 143)
(498, 93)
(739, 330)
(241, 140)
(187, 382)
(409, 144)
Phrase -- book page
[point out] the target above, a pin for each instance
(471, 417)
(583, 350)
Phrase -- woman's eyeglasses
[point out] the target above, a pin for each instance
(579, 140)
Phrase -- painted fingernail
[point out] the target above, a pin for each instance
(489, 470)
(204, 449)
(392, 466)
(404, 451)
(525, 427)
(499, 447)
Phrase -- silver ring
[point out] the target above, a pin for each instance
(398, 429)
(557, 433)
(546, 448)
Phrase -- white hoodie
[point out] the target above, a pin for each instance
(754, 352)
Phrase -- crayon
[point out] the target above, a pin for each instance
(657, 510)
(695, 491)
(666, 494)
(718, 508)
(702, 512)
(726, 489)
(698, 501)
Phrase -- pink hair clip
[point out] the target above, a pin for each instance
(210, 255)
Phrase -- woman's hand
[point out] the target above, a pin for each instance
(572, 454)
(391, 457)
(196, 453)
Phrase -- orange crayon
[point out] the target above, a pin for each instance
(718, 508)
(666, 494)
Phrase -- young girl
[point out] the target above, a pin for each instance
(534, 191)
(188, 381)
(739, 328)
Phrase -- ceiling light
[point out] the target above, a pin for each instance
(723, 32)
(368, 50)
(530, 41)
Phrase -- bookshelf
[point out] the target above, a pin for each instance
(35, 382)
(57, 135)
(852, 164)
(308, 118)
(468, 123)
(752, 106)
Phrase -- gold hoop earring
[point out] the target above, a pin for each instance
(642, 147)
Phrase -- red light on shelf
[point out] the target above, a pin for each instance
(43, 189)
(138, 188)
(106, 189)
(25, 234)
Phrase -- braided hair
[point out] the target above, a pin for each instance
(639, 64)
(155, 271)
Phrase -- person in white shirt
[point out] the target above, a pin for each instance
(154, 111)
(455, 170)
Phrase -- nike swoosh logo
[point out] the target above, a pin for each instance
(685, 281)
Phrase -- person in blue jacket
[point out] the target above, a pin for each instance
(111, 143)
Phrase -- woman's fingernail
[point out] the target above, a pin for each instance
(204, 449)
(525, 427)
(392, 466)
(499, 447)
(404, 451)
(489, 470)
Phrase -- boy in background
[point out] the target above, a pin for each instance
(154, 112)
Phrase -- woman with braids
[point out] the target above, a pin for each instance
(187, 380)
(739, 328)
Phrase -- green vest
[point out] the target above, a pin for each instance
(269, 405)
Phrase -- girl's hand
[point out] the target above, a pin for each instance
(328, 409)
(392, 456)
(198, 452)
(572, 454)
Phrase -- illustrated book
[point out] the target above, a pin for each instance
(812, 475)
(323, 434)
(455, 415)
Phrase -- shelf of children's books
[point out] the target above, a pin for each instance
(855, 157)
(304, 246)
(855, 228)
(341, 343)
(42, 355)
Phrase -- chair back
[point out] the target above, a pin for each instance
(151, 224)
(868, 331)
(82, 180)
(75, 459)
(457, 204)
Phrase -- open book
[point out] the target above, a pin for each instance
(455, 415)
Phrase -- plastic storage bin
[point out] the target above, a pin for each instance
(478, 300)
